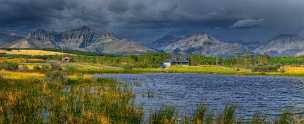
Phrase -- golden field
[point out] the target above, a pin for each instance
(29, 52)
(293, 69)
(20, 75)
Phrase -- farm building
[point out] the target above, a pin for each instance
(176, 60)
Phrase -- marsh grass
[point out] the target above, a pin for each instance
(258, 118)
(51, 101)
(167, 115)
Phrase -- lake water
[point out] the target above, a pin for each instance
(268, 95)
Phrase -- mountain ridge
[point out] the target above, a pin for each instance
(283, 45)
(86, 39)
(82, 39)
(203, 44)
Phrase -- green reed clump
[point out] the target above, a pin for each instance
(258, 118)
(200, 114)
(12, 66)
(166, 115)
(229, 114)
(285, 118)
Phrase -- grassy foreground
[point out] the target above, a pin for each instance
(56, 97)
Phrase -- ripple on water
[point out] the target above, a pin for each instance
(268, 95)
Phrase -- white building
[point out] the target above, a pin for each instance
(166, 64)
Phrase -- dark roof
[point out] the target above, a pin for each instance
(179, 59)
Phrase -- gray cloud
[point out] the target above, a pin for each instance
(247, 23)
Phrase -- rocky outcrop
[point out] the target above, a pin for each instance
(77, 39)
(111, 45)
(41, 35)
(203, 44)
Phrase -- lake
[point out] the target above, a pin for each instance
(252, 94)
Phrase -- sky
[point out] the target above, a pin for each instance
(148, 20)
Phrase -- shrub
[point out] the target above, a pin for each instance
(23, 68)
(57, 77)
(56, 66)
(266, 68)
(43, 68)
(70, 69)
(9, 66)
(37, 68)
(285, 118)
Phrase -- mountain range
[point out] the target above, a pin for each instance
(82, 39)
(86, 39)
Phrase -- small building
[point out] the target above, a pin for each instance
(176, 60)
(66, 59)
(166, 65)
(180, 60)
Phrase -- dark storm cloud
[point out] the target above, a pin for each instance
(154, 14)
(19, 11)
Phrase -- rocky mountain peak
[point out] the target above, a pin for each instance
(284, 44)
(200, 37)
(203, 44)
(41, 34)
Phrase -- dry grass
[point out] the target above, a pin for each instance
(22, 60)
(20, 75)
(82, 76)
(86, 67)
(294, 69)
(16, 60)
(29, 52)
(206, 69)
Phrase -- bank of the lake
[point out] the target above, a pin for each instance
(203, 69)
